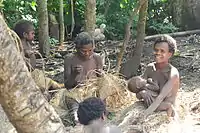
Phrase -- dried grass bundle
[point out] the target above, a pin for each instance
(111, 87)
(185, 121)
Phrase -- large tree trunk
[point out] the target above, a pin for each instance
(90, 16)
(43, 27)
(61, 22)
(20, 98)
(186, 13)
(131, 66)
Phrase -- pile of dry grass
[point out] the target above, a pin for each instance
(111, 87)
(131, 119)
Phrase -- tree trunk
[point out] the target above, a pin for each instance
(131, 66)
(73, 22)
(43, 27)
(62, 28)
(90, 16)
(20, 98)
(53, 27)
(127, 37)
(176, 7)
(186, 13)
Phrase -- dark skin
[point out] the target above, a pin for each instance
(138, 85)
(28, 51)
(168, 79)
(81, 66)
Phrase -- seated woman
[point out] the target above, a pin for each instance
(91, 113)
(166, 75)
(83, 63)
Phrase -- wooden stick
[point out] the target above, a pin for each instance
(176, 34)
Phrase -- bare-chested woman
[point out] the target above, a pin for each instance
(82, 64)
(165, 74)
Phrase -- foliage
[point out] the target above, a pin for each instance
(53, 41)
(79, 6)
(159, 19)
(113, 13)
(115, 16)
(162, 27)
(14, 10)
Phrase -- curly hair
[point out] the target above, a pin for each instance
(23, 26)
(169, 40)
(83, 38)
(90, 109)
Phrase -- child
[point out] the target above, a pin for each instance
(165, 74)
(82, 64)
(91, 113)
(25, 31)
(137, 84)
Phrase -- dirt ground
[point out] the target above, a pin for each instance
(188, 63)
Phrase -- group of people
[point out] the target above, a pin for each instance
(157, 87)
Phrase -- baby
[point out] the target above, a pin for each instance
(138, 84)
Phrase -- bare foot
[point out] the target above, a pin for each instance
(170, 113)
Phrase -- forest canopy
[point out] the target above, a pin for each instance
(113, 13)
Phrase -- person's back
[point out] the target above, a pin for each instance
(91, 113)
(99, 127)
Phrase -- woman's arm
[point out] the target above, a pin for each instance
(69, 77)
(167, 88)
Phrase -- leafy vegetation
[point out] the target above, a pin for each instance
(113, 13)
(15, 10)
(159, 18)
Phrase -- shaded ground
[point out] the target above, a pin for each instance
(187, 62)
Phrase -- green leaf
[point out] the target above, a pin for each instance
(33, 5)
(121, 5)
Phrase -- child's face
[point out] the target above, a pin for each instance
(161, 52)
(30, 35)
(86, 51)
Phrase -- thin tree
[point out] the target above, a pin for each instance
(73, 21)
(43, 27)
(62, 27)
(131, 66)
(90, 16)
(20, 98)
(127, 36)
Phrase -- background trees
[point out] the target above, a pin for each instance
(43, 27)
(163, 15)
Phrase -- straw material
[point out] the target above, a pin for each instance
(43, 82)
(111, 87)
(131, 119)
